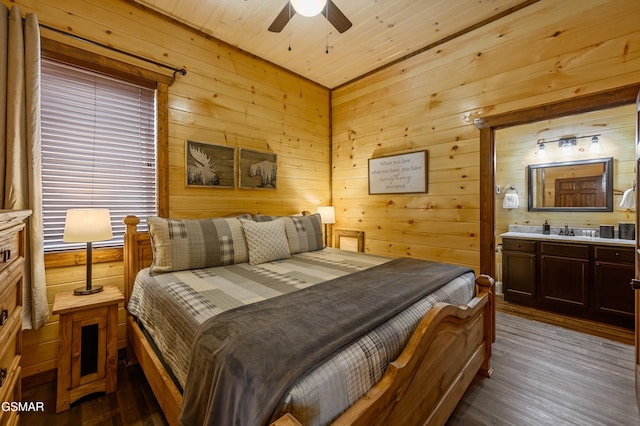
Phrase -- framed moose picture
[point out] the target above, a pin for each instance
(209, 166)
(258, 169)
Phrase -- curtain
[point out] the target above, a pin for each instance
(20, 149)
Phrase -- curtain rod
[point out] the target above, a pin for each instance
(175, 70)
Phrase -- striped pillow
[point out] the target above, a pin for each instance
(180, 244)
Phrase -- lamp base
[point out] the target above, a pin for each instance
(83, 291)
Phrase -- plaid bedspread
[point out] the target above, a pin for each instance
(172, 306)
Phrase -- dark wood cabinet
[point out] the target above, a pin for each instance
(585, 280)
(519, 271)
(564, 277)
(613, 296)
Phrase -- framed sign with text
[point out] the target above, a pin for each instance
(398, 174)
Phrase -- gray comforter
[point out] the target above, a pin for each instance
(244, 359)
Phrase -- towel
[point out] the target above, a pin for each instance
(629, 199)
(511, 201)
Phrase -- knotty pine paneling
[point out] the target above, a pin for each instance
(227, 97)
(547, 52)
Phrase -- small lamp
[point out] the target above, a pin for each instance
(327, 216)
(87, 226)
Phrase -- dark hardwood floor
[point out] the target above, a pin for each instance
(544, 374)
(550, 375)
(132, 404)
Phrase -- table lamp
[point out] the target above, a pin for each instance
(327, 216)
(87, 226)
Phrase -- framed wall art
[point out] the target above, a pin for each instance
(209, 166)
(398, 174)
(257, 169)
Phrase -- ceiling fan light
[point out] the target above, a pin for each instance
(308, 7)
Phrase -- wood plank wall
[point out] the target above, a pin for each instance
(227, 98)
(549, 51)
(546, 52)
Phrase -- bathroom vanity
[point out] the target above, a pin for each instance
(587, 277)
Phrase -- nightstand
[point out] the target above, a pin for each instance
(88, 344)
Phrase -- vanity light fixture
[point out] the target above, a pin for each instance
(567, 143)
(542, 151)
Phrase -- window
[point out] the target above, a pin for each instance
(98, 149)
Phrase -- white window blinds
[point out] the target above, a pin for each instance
(98, 149)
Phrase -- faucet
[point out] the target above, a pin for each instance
(566, 230)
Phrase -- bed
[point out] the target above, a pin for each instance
(441, 346)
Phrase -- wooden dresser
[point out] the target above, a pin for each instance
(12, 251)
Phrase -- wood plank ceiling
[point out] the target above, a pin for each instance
(383, 31)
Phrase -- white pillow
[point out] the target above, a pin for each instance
(266, 241)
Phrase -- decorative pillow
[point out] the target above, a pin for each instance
(267, 241)
(265, 218)
(304, 233)
(180, 244)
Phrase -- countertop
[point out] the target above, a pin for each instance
(569, 239)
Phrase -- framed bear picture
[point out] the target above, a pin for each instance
(257, 169)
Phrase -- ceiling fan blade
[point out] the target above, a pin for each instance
(282, 19)
(336, 17)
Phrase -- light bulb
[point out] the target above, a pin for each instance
(308, 8)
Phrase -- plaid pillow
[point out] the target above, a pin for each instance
(180, 244)
(304, 233)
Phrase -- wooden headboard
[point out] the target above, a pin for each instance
(137, 253)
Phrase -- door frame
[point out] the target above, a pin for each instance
(625, 95)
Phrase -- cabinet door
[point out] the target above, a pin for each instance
(519, 277)
(88, 349)
(564, 282)
(613, 294)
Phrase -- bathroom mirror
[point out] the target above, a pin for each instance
(576, 186)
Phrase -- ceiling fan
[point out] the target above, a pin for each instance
(327, 8)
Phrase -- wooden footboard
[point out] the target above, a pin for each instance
(426, 382)
(423, 386)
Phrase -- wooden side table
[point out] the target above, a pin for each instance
(88, 344)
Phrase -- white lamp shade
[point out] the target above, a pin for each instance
(87, 225)
(308, 7)
(327, 214)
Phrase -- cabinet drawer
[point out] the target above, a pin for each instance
(10, 359)
(614, 254)
(519, 245)
(576, 251)
(10, 340)
(10, 297)
(10, 249)
(10, 391)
